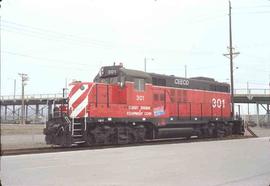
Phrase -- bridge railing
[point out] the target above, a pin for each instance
(33, 96)
(252, 91)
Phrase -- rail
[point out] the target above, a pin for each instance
(54, 149)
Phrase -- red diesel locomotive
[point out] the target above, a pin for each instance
(127, 106)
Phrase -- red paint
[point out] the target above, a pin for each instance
(116, 102)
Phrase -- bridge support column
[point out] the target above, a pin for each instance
(0, 112)
(26, 113)
(5, 113)
(49, 110)
(19, 111)
(268, 114)
(248, 112)
(37, 112)
(13, 112)
(258, 114)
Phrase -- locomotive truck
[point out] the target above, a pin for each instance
(129, 106)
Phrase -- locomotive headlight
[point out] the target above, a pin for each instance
(101, 72)
(82, 87)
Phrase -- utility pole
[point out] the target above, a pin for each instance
(0, 73)
(144, 64)
(24, 78)
(248, 92)
(185, 71)
(14, 99)
(145, 60)
(231, 55)
(269, 84)
(66, 83)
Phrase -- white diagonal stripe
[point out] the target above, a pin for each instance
(77, 94)
(82, 105)
(79, 108)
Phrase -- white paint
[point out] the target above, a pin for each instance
(76, 95)
(82, 105)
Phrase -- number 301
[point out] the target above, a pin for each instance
(139, 98)
(218, 103)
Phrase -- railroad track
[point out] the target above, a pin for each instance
(39, 150)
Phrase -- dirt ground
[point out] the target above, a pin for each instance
(261, 131)
(15, 129)
(16, 136)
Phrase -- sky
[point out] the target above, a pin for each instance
(55, 42)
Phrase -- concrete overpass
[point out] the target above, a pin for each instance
(37, 107)
(260, 97)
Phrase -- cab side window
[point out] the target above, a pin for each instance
(139, 84)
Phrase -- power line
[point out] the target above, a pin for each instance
(257, 57)
(84, 44)
(255, 68)
(46, 31)
(253, 82)
(47, 34)
(258, 12)
(63, 66)
(64, 62)
(206, 18)
(42, 36)
(252, 7)
(53, 35)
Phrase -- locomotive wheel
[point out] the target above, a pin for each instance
(211, 130)
(64, 141)
(204, 131)
(229, 129)
(220, 130)
(131, 138)
(109, 135)
(140, 133)
(61, 137)
(188, 137)
(49, 139)
(220, 133)
(90, 139)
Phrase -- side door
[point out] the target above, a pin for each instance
(140, 99)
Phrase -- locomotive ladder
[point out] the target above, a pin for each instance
(78, 128)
